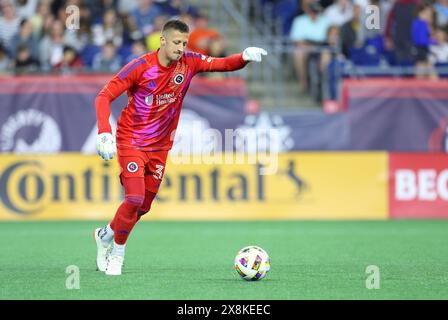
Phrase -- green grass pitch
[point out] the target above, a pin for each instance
(194, 260)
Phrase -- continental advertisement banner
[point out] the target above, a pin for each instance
(312, 185)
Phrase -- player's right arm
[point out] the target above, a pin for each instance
(120, 83)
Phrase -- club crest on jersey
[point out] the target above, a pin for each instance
(178, 78)
(132, 167)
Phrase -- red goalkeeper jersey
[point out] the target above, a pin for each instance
(155, 96)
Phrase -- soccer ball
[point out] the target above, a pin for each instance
(252, 263)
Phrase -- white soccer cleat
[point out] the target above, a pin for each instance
(114, 265)
(102, 252)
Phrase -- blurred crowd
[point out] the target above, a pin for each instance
(373, 33)
(44, 36)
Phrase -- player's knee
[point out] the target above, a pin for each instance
(146, 206)
(143, 210)
(135, 201)
(141, 213)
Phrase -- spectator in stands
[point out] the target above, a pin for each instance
(439, 50)
(107, 60)
(83, 36)
(328, 59)
(71, 62)
(131, 32)
(109, 29)
(24, 62)
(52, 46)
(126, 7)
(339, 12)
(398, 30)
(285, 10)
(188, 19)
(138, 49)
(308, 33)
(47, 25)
(153, 39)
(217, 48)
(26, 8)
(202, 35)
(175, 8)
(145, 14)
(97, 9)
(5, 61)
(304, 4)
(38, 18)
(441, 7)
(421, 40)
(351, 33)
(25, 37)
(9, 23)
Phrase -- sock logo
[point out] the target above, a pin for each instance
(132, 167)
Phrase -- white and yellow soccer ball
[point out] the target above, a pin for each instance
(252, 263)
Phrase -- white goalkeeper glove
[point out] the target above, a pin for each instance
(105, 144)
(253, 54)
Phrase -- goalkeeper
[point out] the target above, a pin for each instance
(156, 85)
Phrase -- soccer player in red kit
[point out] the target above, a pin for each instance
(156, 85)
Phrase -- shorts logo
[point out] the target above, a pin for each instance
(132, 167)
(179, 78)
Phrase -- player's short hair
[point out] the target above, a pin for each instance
(175, 25)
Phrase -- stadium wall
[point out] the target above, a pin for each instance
(302, 186)
(55, 116)
(305, 185)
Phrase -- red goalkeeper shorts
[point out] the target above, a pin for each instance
(149, 165)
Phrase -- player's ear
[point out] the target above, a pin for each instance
(162, 41)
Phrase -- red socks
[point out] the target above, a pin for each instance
(137, 202)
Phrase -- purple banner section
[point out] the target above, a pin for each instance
(54, 114)
(397, 115)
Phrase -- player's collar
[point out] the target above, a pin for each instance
(172, 65)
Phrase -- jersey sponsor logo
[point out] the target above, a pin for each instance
(179, 78)
(159, 172)
(132, 167)
(192, 55)
(165, 98)
(149, 99)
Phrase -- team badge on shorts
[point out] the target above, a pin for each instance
(178, 78)
(132, 167)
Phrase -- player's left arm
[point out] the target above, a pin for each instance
(232, 62)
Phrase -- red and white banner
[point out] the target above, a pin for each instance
(418, 185)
